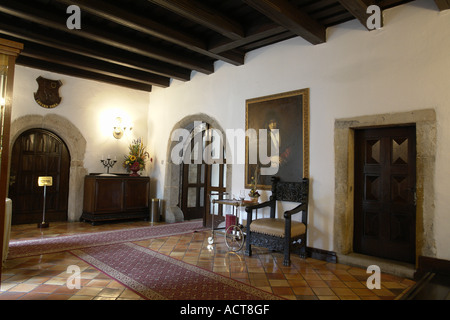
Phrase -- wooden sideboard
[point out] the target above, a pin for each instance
(115, 197)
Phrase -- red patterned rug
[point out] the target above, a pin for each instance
(25, 248)
(158, 277)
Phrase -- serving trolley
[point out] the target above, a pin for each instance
(234, 231)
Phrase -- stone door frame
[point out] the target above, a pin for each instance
(425, 122)
(76, 144)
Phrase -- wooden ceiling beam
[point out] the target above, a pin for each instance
(253, 34)
(358, 9)
(47, 19)
(120, 37)
(106, 54)
(208, 17)
(267, 41)
(95, 66)
(53, 67)
(111, 12)
(443, 4)
(290, 17)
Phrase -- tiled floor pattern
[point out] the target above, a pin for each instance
(45, 277)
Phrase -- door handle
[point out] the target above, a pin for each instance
(12, 180)
(414, 191)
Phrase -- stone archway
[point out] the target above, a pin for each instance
(76, 144)
(172, 183)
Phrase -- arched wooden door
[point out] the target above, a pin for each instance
(194, 171)
(36, 153)
(199, 178)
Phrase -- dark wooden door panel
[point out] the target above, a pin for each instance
(36, 153)
(384, 217)
(217, 187)
(194, 192)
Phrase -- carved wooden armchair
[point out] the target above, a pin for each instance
(285, 234)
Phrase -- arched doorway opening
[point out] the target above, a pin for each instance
(177, 172)
(203, 173)
(39, 153)
(76, 145)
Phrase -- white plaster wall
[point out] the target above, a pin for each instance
(92, 107)
(402, 67)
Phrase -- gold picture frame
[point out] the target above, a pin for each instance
(291, 111)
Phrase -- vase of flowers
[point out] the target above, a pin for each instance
(134, 168)
(254, 194)
(136, 158)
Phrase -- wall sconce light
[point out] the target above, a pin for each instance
(120, 128)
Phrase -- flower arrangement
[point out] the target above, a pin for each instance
(135, 160)
(253, 192)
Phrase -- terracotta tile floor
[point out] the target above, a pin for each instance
(45, 276)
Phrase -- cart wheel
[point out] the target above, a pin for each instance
(234, 238)
(210, 240)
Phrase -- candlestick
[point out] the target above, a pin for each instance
(108, 163)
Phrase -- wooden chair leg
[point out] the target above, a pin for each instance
(287, 260)
(303, 252)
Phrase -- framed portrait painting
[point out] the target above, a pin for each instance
(277, 140)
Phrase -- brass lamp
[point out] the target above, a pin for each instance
(119, 128)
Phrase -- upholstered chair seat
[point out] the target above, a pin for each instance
(276, 227)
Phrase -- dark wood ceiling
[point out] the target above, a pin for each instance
(143, 43)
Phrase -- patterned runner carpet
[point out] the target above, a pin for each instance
(158, 277)
(24, 248)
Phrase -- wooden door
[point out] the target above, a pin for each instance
(38, 153)
(216, 188)
(193, 175)
(202, 180)
(385, 181)
(193, 191)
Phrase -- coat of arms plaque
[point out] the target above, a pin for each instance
(47, 95)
